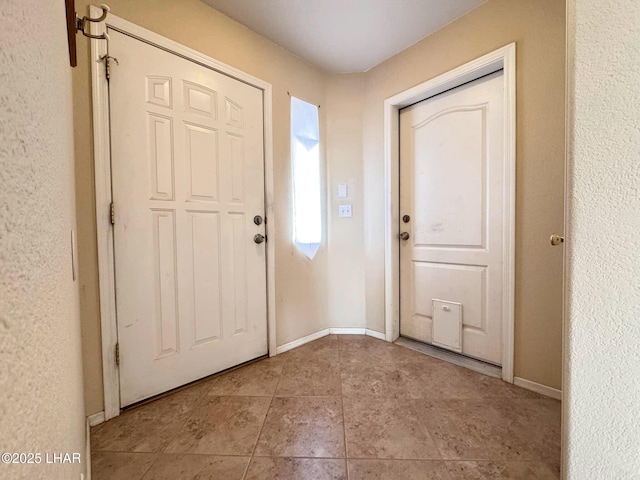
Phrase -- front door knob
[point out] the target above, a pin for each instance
(258, 238)
(556, 240)
(404, 236)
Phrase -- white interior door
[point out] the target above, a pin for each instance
(452, 181)
(188, 179)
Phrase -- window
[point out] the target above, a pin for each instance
(305, 157)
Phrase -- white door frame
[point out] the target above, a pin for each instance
(102, 161)
(504, 58)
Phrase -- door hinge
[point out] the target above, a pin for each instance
(112, 213)
(118, 353)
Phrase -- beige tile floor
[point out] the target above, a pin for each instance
(342, 407)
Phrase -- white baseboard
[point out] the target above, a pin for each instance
(87, 452)
(301, 341)
(95, 419)
(347, 331)
(357, 331)
(374, 334)
(315, 336)
(92, 421)
(538, 388)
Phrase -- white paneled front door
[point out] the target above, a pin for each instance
(188, 180)
(452, 181)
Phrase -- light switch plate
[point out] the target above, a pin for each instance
(344, 211)
(342, 190)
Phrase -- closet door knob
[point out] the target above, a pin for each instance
(556, 240)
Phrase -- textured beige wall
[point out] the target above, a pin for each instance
(602, 371)
(301, 285)
(539, 30)
(346, 267)
(41, 404)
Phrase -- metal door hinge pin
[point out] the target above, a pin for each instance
(112, 213)
(118, 354)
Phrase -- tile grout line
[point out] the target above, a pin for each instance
(344, 423)
(255, 446)
(150, 465)
(194, 454)
(200, 400)
(386, 459)
(414, 405)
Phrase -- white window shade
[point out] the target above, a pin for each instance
(305, 156)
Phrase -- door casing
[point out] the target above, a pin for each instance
(502, 59)
(102, 162)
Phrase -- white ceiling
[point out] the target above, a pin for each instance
(344, 35)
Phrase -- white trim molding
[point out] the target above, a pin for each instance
(96, 419)
(374, 334)
(538, 388)
(301, 341)
(502, 59)
(87, 450)
(357, 331)
(102, 161)
(347, 331)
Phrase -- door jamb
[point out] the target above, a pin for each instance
(102, 162)
(504, 58)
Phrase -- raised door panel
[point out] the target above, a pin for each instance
(202, 163)
(238, 314)
(160, 155)
(464, 284)
(200, 100)
(450, 172)
(166, 283)
(235, 159)
(159, 91)
(206, 262)
(234, 114)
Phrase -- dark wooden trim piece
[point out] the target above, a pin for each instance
(71, 32)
